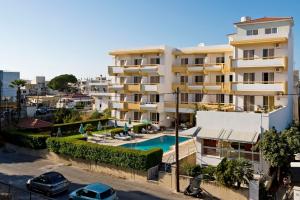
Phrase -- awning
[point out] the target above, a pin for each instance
(191, 131)
(213, 134)
(243, 137)
(229, 135)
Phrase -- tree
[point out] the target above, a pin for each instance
(279, 151)
(96, 115)
(18, 84)
(63, 83)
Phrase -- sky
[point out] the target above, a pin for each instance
(53, 37)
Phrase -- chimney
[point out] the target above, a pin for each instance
(245, 18)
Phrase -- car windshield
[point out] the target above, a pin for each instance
(107, 193)
(55, 177)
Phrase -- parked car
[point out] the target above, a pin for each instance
(94, 191)
(50, 183)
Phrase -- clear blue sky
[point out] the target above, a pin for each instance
(51, 37)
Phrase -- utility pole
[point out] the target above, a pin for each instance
(176, 136)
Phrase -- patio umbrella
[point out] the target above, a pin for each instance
(125, 128)
(129, 120)
(81, 129)
(99, 126)
(58, 134)
(116, 124)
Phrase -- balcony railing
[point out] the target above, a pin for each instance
(133, 69)
(134, 87)
(260, 86)
(260, 62)
(150, 87)
(198, 68)
(227, 107)
(133, 105)
(202, 86)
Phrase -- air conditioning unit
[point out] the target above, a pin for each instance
(278, 69)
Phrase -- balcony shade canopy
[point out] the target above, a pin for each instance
(229, 135)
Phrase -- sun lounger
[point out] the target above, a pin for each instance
(119, 137)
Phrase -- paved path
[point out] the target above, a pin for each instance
(17, 168)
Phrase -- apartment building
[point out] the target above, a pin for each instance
(233, 92)
(141, 83)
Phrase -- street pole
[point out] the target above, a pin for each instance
(176, 135)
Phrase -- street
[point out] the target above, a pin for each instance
(16, 168)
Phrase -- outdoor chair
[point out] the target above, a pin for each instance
(122, 137)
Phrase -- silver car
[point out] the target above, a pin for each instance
(50, 183)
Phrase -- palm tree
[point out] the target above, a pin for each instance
(18, 84)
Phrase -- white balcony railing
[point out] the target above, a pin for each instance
(150, 87)
(117, 105)
(260, 87)
(116, 86)
(259, 62)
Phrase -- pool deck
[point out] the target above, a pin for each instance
(185, 148)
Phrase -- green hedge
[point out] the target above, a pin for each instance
(115, 131)
(26, 139)
(138, 128)
(72, 128)
(76, 147)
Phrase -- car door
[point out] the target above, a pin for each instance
(85, 194)
(39, 183)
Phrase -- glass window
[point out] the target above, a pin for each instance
(230, 98)
(270, 30)
(198, 79)
(137, 97)
(249, 78)
(122, 97)
(87, 193)
(198, 97)
(154, 79)
(248, 54)
(154, 117)
(107, 193)
(220, 79)
(154, 61)
(137, 79)
(199, 61)
(138, 61)
(220, 98)
(184, 97)
(249, 103)
(268, 53)
(154, 98)
(184, 61)
(184, 79)
(220, 60)
(230, 78)
(136, 116)
(122, 62)
(252, 32)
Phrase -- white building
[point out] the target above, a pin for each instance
(239, 89)
(97, 89)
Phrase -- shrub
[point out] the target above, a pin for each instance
(191, 170)
(96, 115)
(209, 172)
(89, 128)
(75, 147)
(72, 128)
(138, 128)
(26, 139)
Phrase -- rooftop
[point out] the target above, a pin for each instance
(149, 49)
(264, 19)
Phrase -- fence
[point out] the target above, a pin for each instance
(10, 192)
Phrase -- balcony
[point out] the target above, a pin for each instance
(198, 68)
(181, 86)
(237, 40)
(183, 107)
(132, 69)
(150, 68)
(179, 69)
(260, 63)
(195, 86)
(150, 87)
(118, 105)
(114, 70)
(259, 87)
(213, 86)
(135, 87)
(116, 87)
(149, 106)
(133, 106)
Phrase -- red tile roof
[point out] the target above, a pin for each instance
(31, 123)
(264, 19)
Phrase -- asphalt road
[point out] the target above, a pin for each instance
(16, 168)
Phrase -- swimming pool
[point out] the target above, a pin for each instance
(164, 142)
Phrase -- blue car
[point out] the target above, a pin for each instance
(94, 191)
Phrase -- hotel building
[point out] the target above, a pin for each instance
(234, 91)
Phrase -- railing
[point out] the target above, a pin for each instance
(274, 61)
(207, 67)
(202, 106)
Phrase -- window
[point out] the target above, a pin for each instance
(249, 103)
(122, 114)
(137, 116)
(154, 117)
(220, 60)
(184, 61)
(268, 77)
(230, 98)
(198, 97)
(268, 102)
(220, 79)
(268, 53)
(154, 79)
(122, 97)
(199, 79)
(220, 98)
(248, 54)
(87, 193)
(122, 62)
(271, 30)
(137, 97)
(252, 32)
(107, 193)
(154, 98)
(138, 61)
(137, 79)
(122, 80)
(184, 97)
(230, 78)
(249, 78)
(184, 79)
(199, 61)
(154, 61)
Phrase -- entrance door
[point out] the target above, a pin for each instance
(249, 103)
(268, 77)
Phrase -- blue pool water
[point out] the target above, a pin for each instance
(163, 142)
